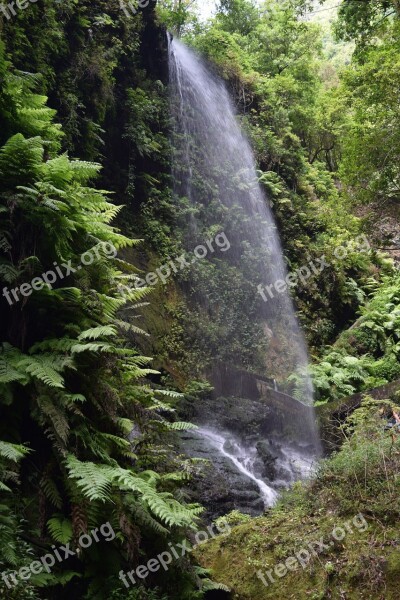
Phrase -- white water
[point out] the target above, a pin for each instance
(294, 465)
(214, 171)
(214, 168)
(242, 460)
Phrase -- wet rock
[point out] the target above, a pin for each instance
(220, 486)
(266, 461)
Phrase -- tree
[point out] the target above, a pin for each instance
(371, 160)
(360, 20)
(240, 16)
(178, 15)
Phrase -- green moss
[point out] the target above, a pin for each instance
(269, 541)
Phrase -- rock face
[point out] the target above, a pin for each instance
(249, 458)
(266, 465)
(220, 487)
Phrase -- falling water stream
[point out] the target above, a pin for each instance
(214, 170)
(243, 461)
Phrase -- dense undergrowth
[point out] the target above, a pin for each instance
(71, 385)
(367, 355)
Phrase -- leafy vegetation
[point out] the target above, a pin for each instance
(71, 386)
(88, 423)
(367, 355)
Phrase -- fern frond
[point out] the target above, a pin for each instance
(55, 415)
(179, 426)
(51, 492)
(93, 480)
(41, 368)
(13, 452)
(99, 347)
(60, 529)
(98, 332)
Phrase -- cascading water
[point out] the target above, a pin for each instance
(242, 460)
(216, 187)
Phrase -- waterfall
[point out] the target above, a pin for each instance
(216, 187)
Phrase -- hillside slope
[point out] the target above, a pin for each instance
(336, 538)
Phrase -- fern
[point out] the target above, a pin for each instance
(206, 584)
(13, 452)
(60, 529)
(51, 492)
(55, 415)
(99, 347)
(179, 426)
(41, 367)
(77, 388)
(93, 480)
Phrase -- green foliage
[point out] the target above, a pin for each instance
(72, 389)
(138, 593)
(233, 518)
(368, 354)
(363, 22)
(178, 15)
(81, 50)
(339, 375)
(60, 529)
(371, 146)
(239, 16)
(97, 483)
(368, 462)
